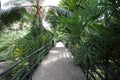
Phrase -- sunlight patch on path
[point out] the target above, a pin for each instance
(59, 44)
(58, 65)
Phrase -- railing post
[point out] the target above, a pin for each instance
(66, 45)
(30, 64)
(52, 43)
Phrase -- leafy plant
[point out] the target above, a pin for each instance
(31, 42)
(92, 33)
(7, 45)
(10, 15)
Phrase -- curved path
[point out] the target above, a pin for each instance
(58, 65)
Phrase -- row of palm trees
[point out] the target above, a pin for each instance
(93, 34)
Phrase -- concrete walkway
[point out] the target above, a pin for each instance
(58, 65)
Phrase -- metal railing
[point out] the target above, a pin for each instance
(24, 69)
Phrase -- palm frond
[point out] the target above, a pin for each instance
(9, 16)
(17, 2)
(72, 5)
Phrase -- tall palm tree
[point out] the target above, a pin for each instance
(34, 3)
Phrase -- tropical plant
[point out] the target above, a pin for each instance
(29, 43)
(7, 40)
(93, 30)
(10, 16)
(8, 34)
(34, 6)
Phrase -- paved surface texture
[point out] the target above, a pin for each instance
(58, 65)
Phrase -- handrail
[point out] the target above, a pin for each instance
(30, 65)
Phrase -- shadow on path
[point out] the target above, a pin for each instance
(58, 65)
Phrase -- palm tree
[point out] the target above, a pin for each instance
(35, 4)
(11, 15)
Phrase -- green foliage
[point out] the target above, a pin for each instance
(18, 48)
(92, 31)
(7, 43)
(31, 42)
(28, 44)
(11, 15)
